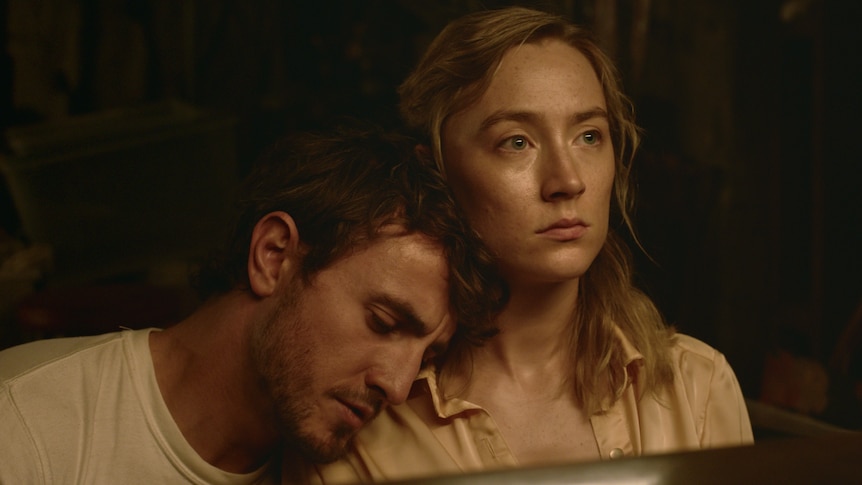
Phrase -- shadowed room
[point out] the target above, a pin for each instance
(128, 125)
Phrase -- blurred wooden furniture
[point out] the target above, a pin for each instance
(90, 310)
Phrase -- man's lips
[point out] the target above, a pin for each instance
(359, 413)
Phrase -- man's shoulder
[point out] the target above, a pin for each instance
(30, 357)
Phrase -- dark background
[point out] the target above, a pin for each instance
(748, 198)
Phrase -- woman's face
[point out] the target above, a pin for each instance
(532, 163)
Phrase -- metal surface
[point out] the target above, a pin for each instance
(827, 459)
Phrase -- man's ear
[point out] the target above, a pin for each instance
(273, 253)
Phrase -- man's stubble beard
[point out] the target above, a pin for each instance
(283, 366)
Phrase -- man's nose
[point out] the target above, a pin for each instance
(394, 374)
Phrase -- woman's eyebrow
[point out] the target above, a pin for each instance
(507, 115)
(529, 116)
(582, 116)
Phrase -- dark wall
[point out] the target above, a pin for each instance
(749, 207)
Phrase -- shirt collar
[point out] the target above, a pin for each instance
(446, 407)
(630, 353)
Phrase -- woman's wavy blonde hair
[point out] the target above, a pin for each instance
(454, 73)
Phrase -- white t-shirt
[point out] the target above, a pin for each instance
(89, 410)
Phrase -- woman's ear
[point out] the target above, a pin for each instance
(425, 155)
(422, 152)
(273, 253)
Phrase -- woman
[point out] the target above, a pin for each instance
(525, 116)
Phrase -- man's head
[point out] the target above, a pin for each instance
(360, 265)
(334, 351)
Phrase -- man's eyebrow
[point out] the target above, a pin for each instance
(404, 313)
(528, 116)
(408, 320)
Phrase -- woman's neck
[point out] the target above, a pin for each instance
(534, 332)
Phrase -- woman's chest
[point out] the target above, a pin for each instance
(540, 431)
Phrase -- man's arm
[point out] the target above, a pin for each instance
(19, 459)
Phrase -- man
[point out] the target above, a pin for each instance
(349, 267)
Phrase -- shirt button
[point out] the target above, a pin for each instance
(616, 453)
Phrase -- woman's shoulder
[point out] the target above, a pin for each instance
(706, 380)
(682, 356)
(701, 369)
(687, 350)
(703, 373)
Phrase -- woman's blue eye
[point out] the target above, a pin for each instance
(517, 143)
(591, 137)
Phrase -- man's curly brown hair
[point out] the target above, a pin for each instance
(341, 188)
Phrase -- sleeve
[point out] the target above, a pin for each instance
(21, 462)
(297, 471)
(726, 421)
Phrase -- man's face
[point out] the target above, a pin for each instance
(335, 351)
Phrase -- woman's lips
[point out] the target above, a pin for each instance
(564, 230)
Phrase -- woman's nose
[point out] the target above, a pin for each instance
(560, 177)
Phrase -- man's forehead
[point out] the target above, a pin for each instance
(411, 254)
(393, 236)
(398, 230)
(412, 243)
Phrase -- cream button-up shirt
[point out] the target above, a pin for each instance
(433, 435)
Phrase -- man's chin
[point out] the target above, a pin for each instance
(324, 450)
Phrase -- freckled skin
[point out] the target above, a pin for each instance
(521, 159)
(323, 345)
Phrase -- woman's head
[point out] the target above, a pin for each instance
(461, 62)
(556, 101)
